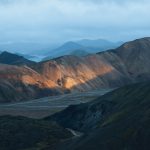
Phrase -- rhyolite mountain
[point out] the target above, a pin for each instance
(135, 56)
(118, 120)
(109, 69)
(23, 83)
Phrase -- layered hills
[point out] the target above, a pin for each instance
(81, 48)
(110, 69)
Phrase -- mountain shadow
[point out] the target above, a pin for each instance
(20, 133)
(115, 121)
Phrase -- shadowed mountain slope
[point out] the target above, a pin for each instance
(13, 59)
(135, 55)
(118, 120)
(20, 133)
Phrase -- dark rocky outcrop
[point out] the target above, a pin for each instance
(20, 133)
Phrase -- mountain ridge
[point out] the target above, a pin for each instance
(108, 69)
(87, 45)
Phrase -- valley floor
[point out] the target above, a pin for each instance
(47, 106)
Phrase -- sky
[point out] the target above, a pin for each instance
(65, 20)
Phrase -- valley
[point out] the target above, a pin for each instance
(74, 75)
(97, 101)
(44, 107)
(28, 80)
(116, 120)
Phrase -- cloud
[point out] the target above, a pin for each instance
(62, 20)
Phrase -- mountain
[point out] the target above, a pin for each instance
(99, 44)
(34, 51)
(20, 133)
(35, 58)
(117, 120)
(65, 49)
(113, 68)
(135, 55)
(31, 48)
(23, 83)
(79, 53)
(82, 47)
(13, 59)
(85, 73)
(109, 69)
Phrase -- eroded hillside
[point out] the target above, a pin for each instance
(114, 68)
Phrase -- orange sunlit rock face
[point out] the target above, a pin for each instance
(80, 74)
(108, 69)
(69, 83)
(65, 73)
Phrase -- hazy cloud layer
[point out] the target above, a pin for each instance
(62, 20)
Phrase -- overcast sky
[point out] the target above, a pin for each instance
(65, 20)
